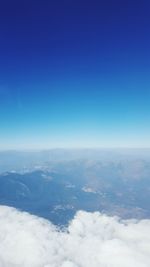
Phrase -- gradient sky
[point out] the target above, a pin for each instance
(74, 74)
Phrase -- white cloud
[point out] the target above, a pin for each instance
(91, 240)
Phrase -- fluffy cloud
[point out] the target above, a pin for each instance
(91, 240)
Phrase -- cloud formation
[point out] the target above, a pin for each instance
(91, 240)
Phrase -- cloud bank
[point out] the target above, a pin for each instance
(91, 240)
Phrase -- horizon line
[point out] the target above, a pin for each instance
(71, 148)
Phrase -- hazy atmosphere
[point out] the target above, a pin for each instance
(74, 133)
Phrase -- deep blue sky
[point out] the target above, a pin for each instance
(74, 74)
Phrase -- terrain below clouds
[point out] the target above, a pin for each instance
(58, 190)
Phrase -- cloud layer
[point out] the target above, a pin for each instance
(91, 240)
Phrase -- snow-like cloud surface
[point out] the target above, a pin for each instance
(91, 240)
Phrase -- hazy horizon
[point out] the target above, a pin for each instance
(75, 148)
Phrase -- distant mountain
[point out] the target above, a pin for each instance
(19, 160)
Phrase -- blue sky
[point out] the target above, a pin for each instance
(74, 74)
